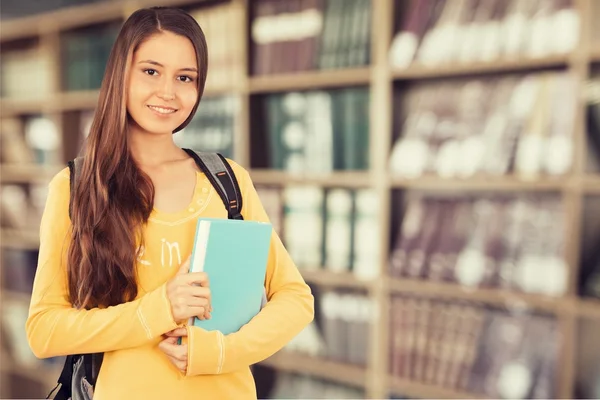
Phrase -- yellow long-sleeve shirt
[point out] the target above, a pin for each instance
(128, 334)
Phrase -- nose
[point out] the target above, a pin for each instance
(166, 90)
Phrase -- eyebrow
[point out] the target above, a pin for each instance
(160, 65)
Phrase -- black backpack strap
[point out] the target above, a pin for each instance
(221, 176)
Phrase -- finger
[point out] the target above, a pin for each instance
(184, 268)
(179, 353)
(193, 311)
(178, 332)
(168, 345)
(182, 366)
(198, 278)
(198, 293)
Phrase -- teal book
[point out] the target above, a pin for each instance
(234, 254)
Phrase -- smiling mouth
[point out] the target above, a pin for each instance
(162, 110)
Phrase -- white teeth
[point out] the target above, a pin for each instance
(162, 110)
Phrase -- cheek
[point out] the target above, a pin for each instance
(188, 97)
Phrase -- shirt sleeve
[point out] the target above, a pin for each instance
(54, 327)
(289, 309)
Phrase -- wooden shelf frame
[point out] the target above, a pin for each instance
(480, 68)
(304, 364)
(380, 78)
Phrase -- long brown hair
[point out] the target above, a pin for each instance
(114, 197)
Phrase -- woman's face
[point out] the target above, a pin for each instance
(162, 83)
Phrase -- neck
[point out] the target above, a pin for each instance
(152, 149)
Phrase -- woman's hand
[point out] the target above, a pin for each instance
(176, 353)
(186, 297)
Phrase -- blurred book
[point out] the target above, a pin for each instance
(213, 127)
(318, 131)
(296, 386)
(218, 22)
(300, 35)
(333, 229)
(85, 52)
(447, 32)
(509, 242)
(26, 74)
(515, 124)
(470, 348)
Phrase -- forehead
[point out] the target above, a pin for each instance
(168, 49)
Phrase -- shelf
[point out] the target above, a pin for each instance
(588, 308)
(310, 80)
(498, 297)
(481, 183)
(12, 295)
(591, 184)
(72, 101)
(44, 374)
(74, 16)
(335, 279)
(20, 239)
(595, 53)
(299, 363)
(23, 173)
(350, 179)
(427, 391)
(478, 68)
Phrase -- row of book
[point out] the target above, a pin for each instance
(301, 35)
(27, 72)
(464, 31)
(297, 386)
(18, 9)
(514, 242)
(34, 139)
(219, 23)
(213, 127)
(317, 131)
(474, 349)
(341, 329)
(521, 124)
(21, 206)
(337, 228)
(85, 53)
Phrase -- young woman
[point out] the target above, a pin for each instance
(113, 278)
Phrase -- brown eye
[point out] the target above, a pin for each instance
(150, 71)
(185, 78)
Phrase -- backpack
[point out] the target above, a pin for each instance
(79, 374)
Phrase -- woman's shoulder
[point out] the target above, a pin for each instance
(61, 181)
(240, 172)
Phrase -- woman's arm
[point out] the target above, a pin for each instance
(54, 327)
(289, 310)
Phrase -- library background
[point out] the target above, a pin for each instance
(432, 167)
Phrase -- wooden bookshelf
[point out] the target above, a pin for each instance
(495, 297)
(409, 388)
(19, 239)
(304, 364)
(481, 183)
(330, 279)
(19, 297)
(349, 179)
(595, 53)
(380, 80)
(588, 308)
(591, 184)
(479, 68)
(71, 17)
(17, 173)
(309, 80)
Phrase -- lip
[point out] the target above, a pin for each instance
(150, 107)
